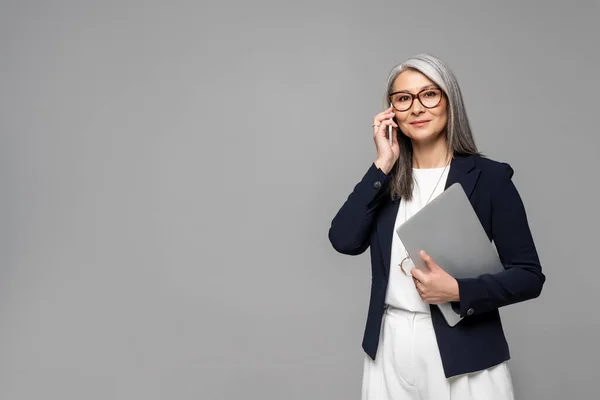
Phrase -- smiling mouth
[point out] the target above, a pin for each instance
(419, 123)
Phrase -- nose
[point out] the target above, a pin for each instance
(417, 108)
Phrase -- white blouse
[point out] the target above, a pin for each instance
(401, 291)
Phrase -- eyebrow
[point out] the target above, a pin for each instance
(423, 88)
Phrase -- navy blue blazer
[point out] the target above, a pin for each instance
(366, 220)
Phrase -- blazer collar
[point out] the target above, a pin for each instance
(462, 170)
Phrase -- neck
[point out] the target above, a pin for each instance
(431, 155)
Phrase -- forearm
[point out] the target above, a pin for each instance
(489, 292)
(351, 226)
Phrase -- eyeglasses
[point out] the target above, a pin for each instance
(403, 101)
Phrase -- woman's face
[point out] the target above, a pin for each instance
(421, 124)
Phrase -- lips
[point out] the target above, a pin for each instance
(420, 123)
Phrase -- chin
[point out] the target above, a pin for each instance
(424, 136)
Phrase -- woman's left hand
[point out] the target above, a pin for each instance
(435, 286)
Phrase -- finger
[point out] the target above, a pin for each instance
(420, 288)
(418, 274)
(381, 129)
(381, 126)
(385, 114)
(388, 114)
(428, 260)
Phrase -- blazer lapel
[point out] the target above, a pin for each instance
(462, 170)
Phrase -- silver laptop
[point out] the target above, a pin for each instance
(449, 230)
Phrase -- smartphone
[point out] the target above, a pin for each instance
(390, 131)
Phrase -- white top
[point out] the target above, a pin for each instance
(401, 291)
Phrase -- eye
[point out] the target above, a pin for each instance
(431, 93)
(403, 98)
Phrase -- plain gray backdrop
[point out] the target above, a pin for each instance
(169, 171)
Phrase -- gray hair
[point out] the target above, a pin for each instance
(458, 130)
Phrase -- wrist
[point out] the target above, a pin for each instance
(383, 165)
(455, 291)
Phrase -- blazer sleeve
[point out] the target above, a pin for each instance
(522, 278)
(350, 228)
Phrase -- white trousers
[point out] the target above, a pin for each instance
(408, 366)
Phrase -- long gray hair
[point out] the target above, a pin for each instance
(458, 130)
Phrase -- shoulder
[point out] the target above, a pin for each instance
(493, 169)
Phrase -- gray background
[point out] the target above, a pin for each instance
(169, 172)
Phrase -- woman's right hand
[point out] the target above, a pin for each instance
(386, 155)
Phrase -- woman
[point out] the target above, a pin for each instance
(411, 352)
